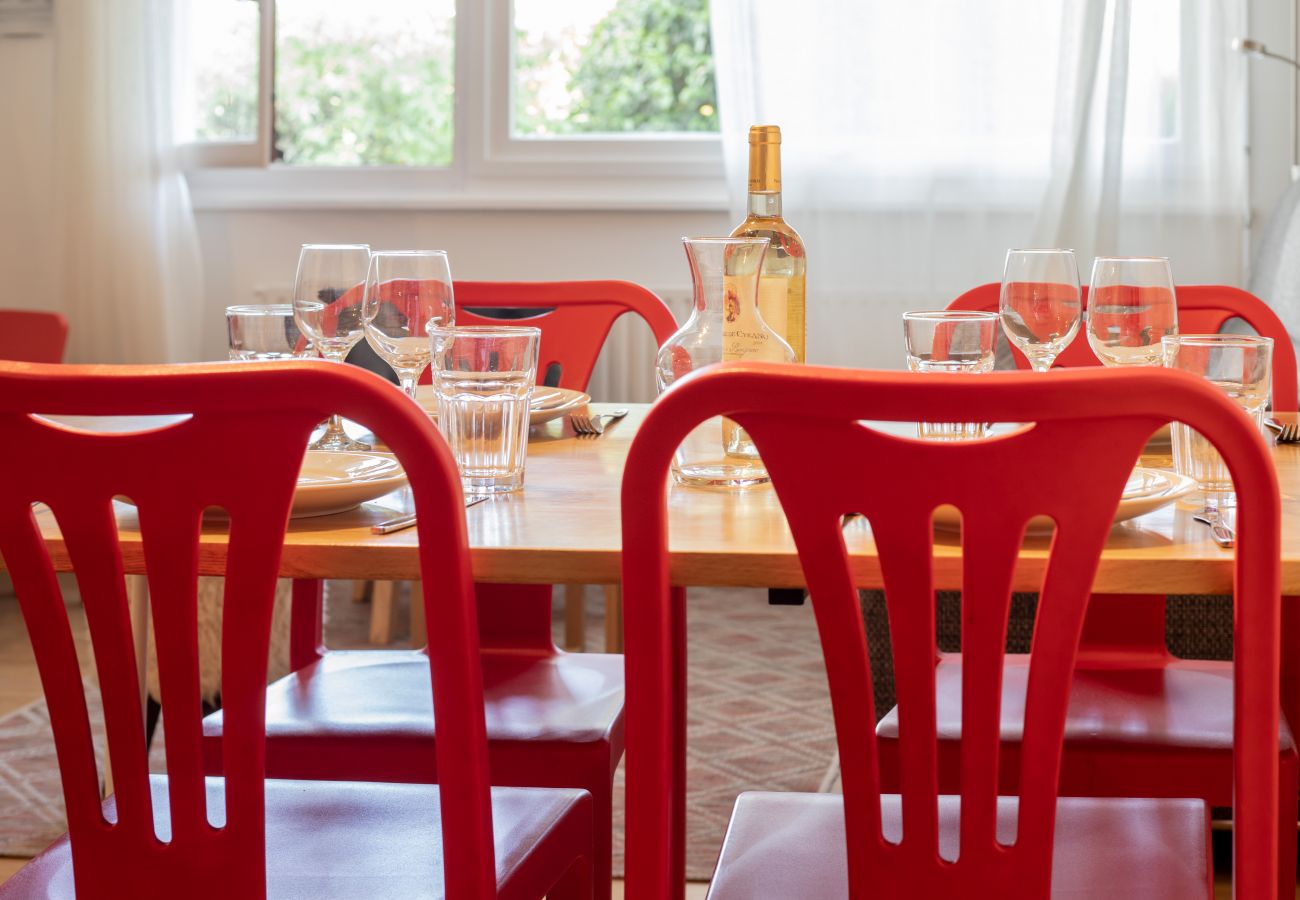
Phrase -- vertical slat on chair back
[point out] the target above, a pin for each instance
(240, 450)
(1070, 465)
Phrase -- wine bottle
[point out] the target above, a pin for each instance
(782, 283)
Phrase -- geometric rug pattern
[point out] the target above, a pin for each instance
(31, 793)
(758, 719)
(758, 712)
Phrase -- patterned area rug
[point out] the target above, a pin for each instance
(759, 719)
(759, 714)
(31, 794)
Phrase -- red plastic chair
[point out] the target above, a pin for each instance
(1202, 309)
(1143, 722)
(817, 845)
(27, 335)
(554, 719)
(580, 316)
(273, 838)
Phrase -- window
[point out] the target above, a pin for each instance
(478, 95)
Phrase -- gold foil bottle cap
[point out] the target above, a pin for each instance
(764, 159)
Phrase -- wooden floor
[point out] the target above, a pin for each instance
(20, 684)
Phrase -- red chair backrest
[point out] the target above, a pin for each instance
(27, 335)
(1088, 426)
(577, 323)
(172, 474)
(1202, 309)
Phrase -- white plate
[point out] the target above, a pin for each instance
(1146, 491)
(548, 402)
(331, 482)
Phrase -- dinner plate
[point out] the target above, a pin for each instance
(333, 481)
(1146, 491)
(547, 403)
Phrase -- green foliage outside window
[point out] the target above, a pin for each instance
(357, 103)
(647, 67)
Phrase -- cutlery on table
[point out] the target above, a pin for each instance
(585, 424)
(1286, 434)
(408, 519)
(1219, 530)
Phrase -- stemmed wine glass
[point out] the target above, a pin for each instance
(327, 298)
(1040, 303)
(407, 292)
(1131, 307)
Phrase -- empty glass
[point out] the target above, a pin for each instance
(1131, 308)
(407, 291)
(1240, 366)
(327, 297)
(259, 332)
(483, 378)
(950, 341)
(1040, 303)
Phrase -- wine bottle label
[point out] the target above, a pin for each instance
(743, 333)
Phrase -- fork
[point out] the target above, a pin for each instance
(585, 424)
(1286, 434)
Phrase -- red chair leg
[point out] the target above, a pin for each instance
(602, 817)
(1288, 808)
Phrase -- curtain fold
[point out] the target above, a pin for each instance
(130, 273)
(924, 139)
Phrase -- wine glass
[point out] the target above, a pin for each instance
(1131, 307)
(327, 297)
(407, 292)
(1040, 303)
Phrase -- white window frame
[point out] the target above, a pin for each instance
(491, 168)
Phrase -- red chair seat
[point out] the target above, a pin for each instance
(369, 714)
(336, 840)
(1179, 708)
(792, 846)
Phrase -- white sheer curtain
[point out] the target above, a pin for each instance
(923, 139)
(129, 258)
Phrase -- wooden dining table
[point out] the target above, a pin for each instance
(564, 528)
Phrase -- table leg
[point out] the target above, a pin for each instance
(381, 613)
(419, 631)
(613, 618)
(575, 617)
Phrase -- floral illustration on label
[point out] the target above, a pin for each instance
(731, 304)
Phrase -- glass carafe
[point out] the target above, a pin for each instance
(725, 324)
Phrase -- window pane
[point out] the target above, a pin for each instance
(218, 101)
(593, 66)
(364, 84)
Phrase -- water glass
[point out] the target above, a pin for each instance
(327, 294)
(1240, 366)
(261, 332)
(950, 341)
(1131, 308)
(1040, 303)
(406, 292)
(483, 378)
